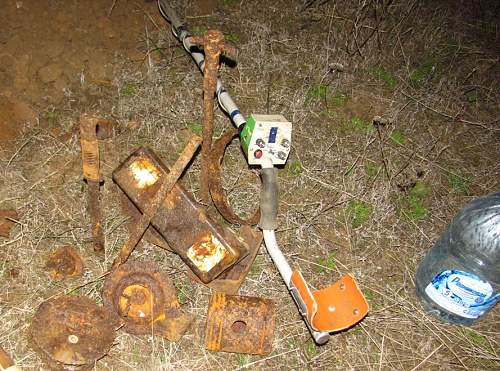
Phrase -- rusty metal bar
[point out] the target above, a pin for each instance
(151, 208)
(206, 247)
(213, 45)
(90, 164)
(215, 182)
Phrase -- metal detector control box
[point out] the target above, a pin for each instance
(269, 135)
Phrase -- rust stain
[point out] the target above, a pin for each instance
(207, 252)
(144, 172)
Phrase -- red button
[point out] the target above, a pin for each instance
(258, 154)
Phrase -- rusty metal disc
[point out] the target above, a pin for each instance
(145, 298)
(215, 182)
(72, 332)
(64, 262)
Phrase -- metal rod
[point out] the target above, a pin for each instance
(213, 45)
(181, 32)
(90, 164)
(151, 209)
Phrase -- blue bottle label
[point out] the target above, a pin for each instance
(462, 293)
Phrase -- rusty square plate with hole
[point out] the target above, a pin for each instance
(181, 221)
(240, 324)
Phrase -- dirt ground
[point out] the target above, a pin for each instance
(395, 107)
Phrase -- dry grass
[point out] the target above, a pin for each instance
(431, 72)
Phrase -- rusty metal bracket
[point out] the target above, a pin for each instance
(64, 262)
(213, 45)
(145, 298)
(215, 182)
(72, 332)
(90, 164)
(240, 324)
(6, 221)
(203, 245)
(151, 208)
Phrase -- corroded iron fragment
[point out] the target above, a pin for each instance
(146, 175)
(146, 300)
(229, 281)
(215, 182)
(64, 262)
(6, 221)
(151, 235)
(240, 324)
(91, 171)
(202, 244)
(72, 332)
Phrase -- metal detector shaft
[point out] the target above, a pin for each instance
(180, 31)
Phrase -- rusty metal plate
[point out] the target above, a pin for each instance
(145, 298)
(72, 332)
(6, 222)
(189, 231)
(229, 281)
(240, 324)
(64, 262)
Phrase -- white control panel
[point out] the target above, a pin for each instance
(269, 135)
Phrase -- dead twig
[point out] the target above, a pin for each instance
(453, 118)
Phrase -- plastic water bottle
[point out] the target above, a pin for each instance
(459, 278)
